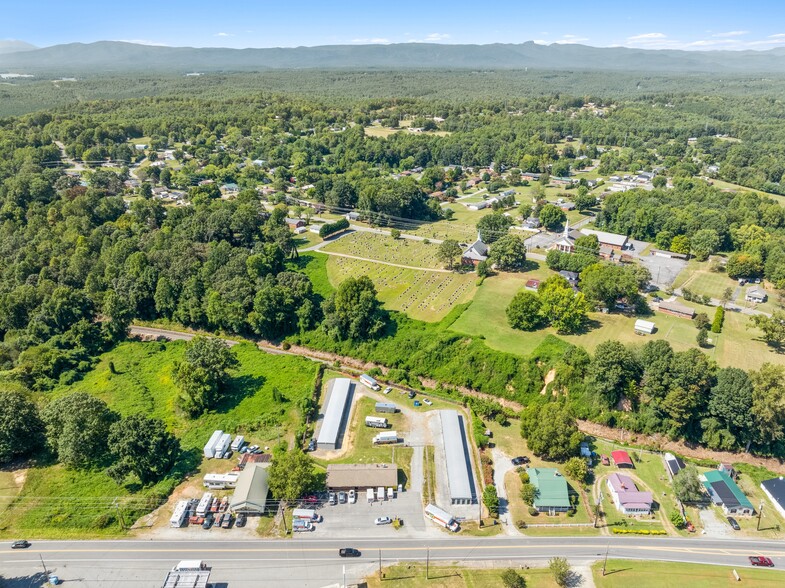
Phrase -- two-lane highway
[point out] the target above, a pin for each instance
(309, 562)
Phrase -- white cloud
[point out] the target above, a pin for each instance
(223, 35)
(722, 43)
(778, 39)
(731, 34)
(371, 41)
(540, 42)
(567, 39)
(431, 38)
(645, 37)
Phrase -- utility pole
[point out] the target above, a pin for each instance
(605, 562)
(380, 563)
(46, 573)
(427, 562)
(116, 504)
(760, 514)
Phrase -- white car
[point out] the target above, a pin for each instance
(426, 401)
(388, 389)
(382, 521)
(352, 497)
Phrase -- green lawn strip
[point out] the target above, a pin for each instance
(385, 248)
(645, 574)
(413, 575)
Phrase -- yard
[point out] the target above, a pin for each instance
(421, 294)
(644, 574)
(412, 575)
(57, 502)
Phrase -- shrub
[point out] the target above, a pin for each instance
(533, 511)
(328, 229)
(719, 318)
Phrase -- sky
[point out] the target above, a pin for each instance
(660, 24)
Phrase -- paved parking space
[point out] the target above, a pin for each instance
(663, 269)
(353, 520)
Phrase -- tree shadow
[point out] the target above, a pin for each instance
(588, 325)
(33, 581)
(238, 389)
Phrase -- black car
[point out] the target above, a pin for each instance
(241, 519)
(208, 522)
(520, 460)
(734, 524)
(21, 544)
(312, 445)
(412, 393)
(349, 552)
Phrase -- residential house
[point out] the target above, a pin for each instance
(531, 176)
(479, 205)
(475, 253)
(756, 294)
(626, 496)
(532, 223)
(294, 223)
(724, 492)
(552, 494)
(607, 252)
(558, 181)
(571, 277)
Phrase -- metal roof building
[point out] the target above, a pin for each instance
(456, 450)
(361, 476)
(552, 493)
(334, 414)
(724, 492)
(250, 494)
(775, 490)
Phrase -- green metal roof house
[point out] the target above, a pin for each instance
(724, 492)
(552, 493)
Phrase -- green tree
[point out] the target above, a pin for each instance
(687, 485)
(203, 374)
(291, 475)
(560, 569)
(744, 265)
(395, 233)
(448, 251)
(512, 579)
(509, 253)
(524, 311)
(731, 402)
(677, 520)
(659, 181)
(680, 244)
(142, 446)
(608, 282)
(493, 227)
(584, 200)
(353, 311)
(773, 327)
(704, 242)
(77, 426)
(552, 217)
(611, 372)
(551, 431)
(577, 469)
(491, 500)
(566, 310)
(768, 404)
(528, 493)
(21, 428)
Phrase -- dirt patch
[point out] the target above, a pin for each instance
(549, 377)
(20, 477)
(662, 443)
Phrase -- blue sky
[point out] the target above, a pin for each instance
(660, 24)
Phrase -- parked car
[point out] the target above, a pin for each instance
(412, 393)
(312, 445)
(242, 518)
(382, 521)
(21, 544)
(520, 460)
(253, 448)
(417, 403)
(387, 390)
(428, 402)
(227, 523)
(604, 460)
(208, 522)
(342, 497)
(352, 496)
(759, 560)
(349, 552)
(656, 299)
(312, 499)
(734, 524)
(331, 499)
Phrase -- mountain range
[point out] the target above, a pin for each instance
(120, 57)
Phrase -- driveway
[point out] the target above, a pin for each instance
(713, 526)
(501, 465)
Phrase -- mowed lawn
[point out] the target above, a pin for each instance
(644, 574)
(412, 575)
(462, 227)
(58, 502)
(385, 248)
(421, 294)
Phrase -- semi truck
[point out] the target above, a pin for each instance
(367, 380)
(440, 517)
(209, 448)
(386, 438)
(377, 422)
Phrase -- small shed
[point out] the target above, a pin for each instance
(622, 459)
(644, 327)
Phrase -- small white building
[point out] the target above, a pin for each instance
(644, 327)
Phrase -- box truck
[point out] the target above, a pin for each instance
(209, 448)
(441, 517)
(306, 514)
(385, 438)
(376, 422)
(367, 380)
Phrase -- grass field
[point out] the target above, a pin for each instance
(57, 502)
(462, 227)
(384, 248)
(736, 188)
(421, 294)
(412, 575)
(642, 574)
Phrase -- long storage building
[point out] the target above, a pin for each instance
(334, 414)
(459, 470)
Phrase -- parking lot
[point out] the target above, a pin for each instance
(352, 520)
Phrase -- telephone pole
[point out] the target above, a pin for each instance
(380, 564)
(605, 562)
(760, 514)
(427, 562)
(46, 573)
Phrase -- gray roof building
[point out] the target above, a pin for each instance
(457, 458)
(250, 494)
(334, 414)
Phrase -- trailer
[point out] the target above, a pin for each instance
(306, 514)
(367, 380)
(221, 481)
(386, 438)
(369, 494)
(301, 525)
(179, 515)
(188, 574)
(376, 422)
(204, 504)
(209, 448)
(222, 445)
(238, 443)
(386, 407)
(440, 517)
(380, 493)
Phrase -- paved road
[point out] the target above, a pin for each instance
(167, 334)
(316, 563)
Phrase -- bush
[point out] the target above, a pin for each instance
(512, 579)
(639, 532)
(328, 229)
(533, 511)
(719, 318)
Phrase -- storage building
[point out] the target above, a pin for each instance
(361, 476)
(644, 327)
(209, 448)
(775, 490)
(250, 495)
(457, 458)
(673, 463)
(676, 309)
(334, 414)
(622, 459)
